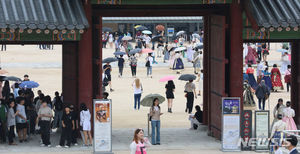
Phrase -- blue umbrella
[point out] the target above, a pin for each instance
(134, 51)
(119, 53)
(29, 84)
(282, 50)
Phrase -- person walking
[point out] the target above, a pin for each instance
(160, 46)
(138, 89)
(259, 50)
(250, 73)
(44, 119)
(170, 89)
(21, 120)
(166, 52)
(140, 143)
(265, 51)
(155, 113)
(200, 82)
(276, 78)
(121, 62)
(107, 71)
(133, 64)
(68, 125)
(58, 110)
(288, 114)
(284, 62)
(11, 122)
(149, 61)
(288, 77)
(276, 133)
(85, 123)
(278, 109)
(110, 40)
(262, 93)
(190, 90)
(248, 95)
(197, 61)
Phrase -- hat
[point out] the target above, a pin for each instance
(293, 140)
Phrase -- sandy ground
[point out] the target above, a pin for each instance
(44, 67)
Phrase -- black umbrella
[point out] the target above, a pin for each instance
(12, 78)
(187, 77)
(141, 28)
(119, 53)
(106, 29)
(2, 78)
(199, 46)
(109, 60)
(134, 51)
(156, 38)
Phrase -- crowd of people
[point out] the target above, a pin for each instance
(174, 52)
(22, 112)
(261, 81)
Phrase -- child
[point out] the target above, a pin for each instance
(11, 122)
(85, 123)
(68, 127)
(21, 121)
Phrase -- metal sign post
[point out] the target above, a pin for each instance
(102, 126)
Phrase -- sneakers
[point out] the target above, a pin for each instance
(75, 144)
(49, 146)
(67, 146)
(58, 146)
(42, 145)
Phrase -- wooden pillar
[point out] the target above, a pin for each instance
(206, 78)
(295, 82)
(236, 52)
(97, 56)
(70, 74)
(85, 89)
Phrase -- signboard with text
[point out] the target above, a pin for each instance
(231, 124)
(246, 126)
(262, 130)
(102, 126)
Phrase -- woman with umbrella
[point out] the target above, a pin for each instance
(178, 63)
(155, 113)
(190, 90)
(170, 89)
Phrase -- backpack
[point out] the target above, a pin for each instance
(147, 63)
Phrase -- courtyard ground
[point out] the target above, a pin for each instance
(44, 67)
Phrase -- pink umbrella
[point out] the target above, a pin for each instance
(167, 78)
(147, 50)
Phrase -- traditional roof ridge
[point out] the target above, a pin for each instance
(42, 14)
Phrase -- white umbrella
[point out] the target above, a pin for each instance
(126, 38)
(196, 35)
(180, 49)
(147, 32)
(180, 33)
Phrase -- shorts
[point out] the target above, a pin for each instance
(21, 126)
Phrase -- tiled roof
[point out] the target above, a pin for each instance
(276, 13)
(140, 20)
(42, 14)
